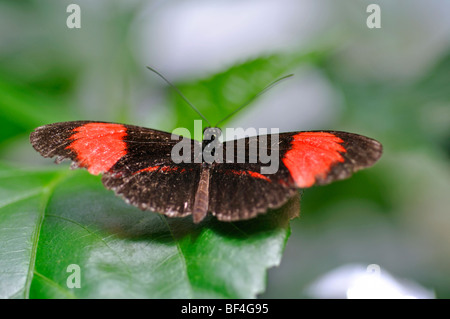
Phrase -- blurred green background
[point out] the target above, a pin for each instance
(392, 84)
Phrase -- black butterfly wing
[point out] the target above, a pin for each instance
(243, 190)
(135, 161)
(166, 189)
(239, 191)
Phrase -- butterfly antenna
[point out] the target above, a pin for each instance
(267, 88)
(179, 93)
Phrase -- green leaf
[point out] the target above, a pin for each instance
(220, 94)
(52, 219)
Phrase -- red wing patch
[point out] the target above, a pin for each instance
(248, 173)
(147, 169)
(164, 169)
(312, 155)
(99, 145)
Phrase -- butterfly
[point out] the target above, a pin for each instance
(137, 164)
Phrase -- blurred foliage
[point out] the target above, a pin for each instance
(395, 214)
(222, 93)
(55, 218)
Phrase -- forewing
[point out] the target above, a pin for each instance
(321, 157)
(99, 146)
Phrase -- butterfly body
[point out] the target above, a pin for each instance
(224, 179)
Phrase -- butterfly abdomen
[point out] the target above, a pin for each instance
(201, 199)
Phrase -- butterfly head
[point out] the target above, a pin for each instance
(211, 133)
